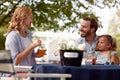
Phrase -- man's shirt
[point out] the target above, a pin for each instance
(90, 49)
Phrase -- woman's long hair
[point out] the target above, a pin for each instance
(18, 18)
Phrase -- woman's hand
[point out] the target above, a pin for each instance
(36, 43)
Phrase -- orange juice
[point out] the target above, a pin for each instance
(40, 53)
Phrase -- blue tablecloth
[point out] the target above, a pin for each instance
(88, 72)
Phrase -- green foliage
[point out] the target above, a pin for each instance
(49, 15)
(2, 41)
(2, 38)
(118, 43)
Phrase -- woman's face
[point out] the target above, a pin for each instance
(28, 21)
(103, 44)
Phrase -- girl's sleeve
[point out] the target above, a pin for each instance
(114, 53)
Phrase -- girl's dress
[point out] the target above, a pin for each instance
(102, 59)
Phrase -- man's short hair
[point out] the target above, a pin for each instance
(93, 23)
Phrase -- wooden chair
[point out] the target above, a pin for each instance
(6, 66)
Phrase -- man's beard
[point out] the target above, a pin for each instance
(86, 34)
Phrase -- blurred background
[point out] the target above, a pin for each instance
(57, 19)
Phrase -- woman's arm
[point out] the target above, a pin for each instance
(22, 55)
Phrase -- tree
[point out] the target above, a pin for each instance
(55, 15)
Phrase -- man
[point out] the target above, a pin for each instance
(88, 30)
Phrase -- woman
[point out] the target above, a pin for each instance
(19, 38)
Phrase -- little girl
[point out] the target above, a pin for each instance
(106, 50)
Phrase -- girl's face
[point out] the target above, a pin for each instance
(103, 44)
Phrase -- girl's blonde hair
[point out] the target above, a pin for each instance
(111, 40)
(18, 18)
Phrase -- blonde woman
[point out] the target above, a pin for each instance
(19, 38)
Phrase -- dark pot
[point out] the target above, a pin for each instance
(71, 57)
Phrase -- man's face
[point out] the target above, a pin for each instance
(85, 28)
